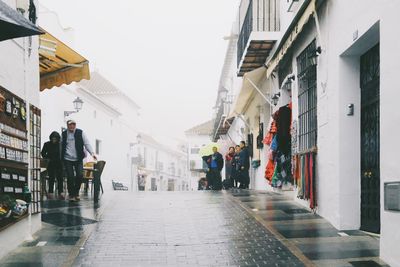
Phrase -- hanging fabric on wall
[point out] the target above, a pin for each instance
(301, 180)
(250, 144)
(283, 123)
(260, 136)
(269, 170)
(313, 199)
(304, 174)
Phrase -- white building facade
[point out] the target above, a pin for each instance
(159, 167)
(335, 63)
(19, 89)
(103, 118)
(197, 137)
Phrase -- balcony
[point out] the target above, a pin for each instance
(260, 29)
(221, 122)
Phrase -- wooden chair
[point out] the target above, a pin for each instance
(93, 174)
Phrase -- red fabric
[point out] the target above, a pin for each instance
(268, 139)
(306, 178)
(296, 172)
(313, 203)
(273, 127)
(269, 170)
(229, 157)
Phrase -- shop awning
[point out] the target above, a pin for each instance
(59, 63)
(250, 86)
(303, 15)
(14, 25)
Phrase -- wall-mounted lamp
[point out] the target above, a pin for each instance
(78, 103)
(314, 55)
(287, 82)
(275, 98)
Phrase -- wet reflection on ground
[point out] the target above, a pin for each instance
(234, 228)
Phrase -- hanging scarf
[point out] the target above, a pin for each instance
(313, 202)
(301, 180)
(307, 178)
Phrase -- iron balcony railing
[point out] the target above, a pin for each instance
(247, 28)
(261, 16)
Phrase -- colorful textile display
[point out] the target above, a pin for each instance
(304, 177)
(278, 170)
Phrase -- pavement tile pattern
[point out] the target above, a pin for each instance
(228, 228)
(182, 229)
(316, 238)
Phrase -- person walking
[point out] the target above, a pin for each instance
(244, 160)
(235, 173)
(51, 151)
(228, 164)
(73, 145)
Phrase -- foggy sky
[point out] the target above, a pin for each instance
(165, 54)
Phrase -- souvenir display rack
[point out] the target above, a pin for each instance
(14, 160)
(35, 131)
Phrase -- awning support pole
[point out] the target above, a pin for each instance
(259, 91)
(317, 26)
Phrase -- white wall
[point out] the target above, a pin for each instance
(19, 74)
(338, 161)
(98, 121)
(168, 157)
(196, 141)
(389, 119)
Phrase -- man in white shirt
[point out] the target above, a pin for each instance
(73, 146)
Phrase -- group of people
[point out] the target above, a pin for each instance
(237, 165)
(66, 152)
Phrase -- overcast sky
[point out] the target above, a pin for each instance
(166, 54)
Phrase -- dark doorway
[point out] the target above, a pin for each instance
(370, 160)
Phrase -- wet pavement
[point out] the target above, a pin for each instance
(238, 228)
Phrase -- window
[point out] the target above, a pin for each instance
(98, 147)
(194, 150)
(307, 97)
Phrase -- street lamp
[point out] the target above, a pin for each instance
(78, 103)
(275, 98)
(314, 55)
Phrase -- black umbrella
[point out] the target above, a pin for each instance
(14, 25)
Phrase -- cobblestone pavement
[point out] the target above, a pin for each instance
(182, 229)
(235, 228)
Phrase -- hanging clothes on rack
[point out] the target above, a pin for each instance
(283, 123)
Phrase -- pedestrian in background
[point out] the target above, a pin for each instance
(215, 163)
(244, 159)
(228, 163)
(235, 173)
(51, 151)
(74, 142)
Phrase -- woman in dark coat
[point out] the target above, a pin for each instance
(235, 171)
(52, 152)
(228, 162)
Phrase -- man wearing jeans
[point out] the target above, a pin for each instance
(74, 143)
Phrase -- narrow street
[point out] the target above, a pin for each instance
(238, 228)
